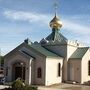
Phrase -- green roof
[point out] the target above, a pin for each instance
(79, 53)
(42, 50)
(56, 36)
(26, 53)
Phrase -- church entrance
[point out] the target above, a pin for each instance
(20, 72)
(72, 73)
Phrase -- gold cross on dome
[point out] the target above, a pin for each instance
(55, 6)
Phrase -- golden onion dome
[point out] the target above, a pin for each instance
(55, 23)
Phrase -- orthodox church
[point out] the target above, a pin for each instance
(54, 59)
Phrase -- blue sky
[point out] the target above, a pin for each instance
(21, 19)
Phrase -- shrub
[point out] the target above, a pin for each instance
(27, 87)
(18, 85)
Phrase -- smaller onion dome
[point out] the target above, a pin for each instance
(55, 23)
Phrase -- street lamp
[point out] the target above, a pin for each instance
(22, 69)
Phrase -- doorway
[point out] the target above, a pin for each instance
(72, 73)
(20, 72)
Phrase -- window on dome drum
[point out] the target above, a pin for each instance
(59, 69)
(89, 68)
(39, 73)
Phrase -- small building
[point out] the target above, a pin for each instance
(54, 59)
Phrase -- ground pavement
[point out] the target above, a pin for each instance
(3, 86)
(65, 87)
(62, 86)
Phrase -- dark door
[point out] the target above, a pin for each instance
(20, 73)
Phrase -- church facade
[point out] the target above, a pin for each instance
(54, 59)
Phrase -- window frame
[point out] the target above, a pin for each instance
(89, 68)
(59, 69)
(39, 72)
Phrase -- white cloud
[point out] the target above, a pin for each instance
(25, 16)
(70, 25)
(76, 28)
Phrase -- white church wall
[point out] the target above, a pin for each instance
(62, 51)
(85, 76)
(52, 71)
(70, 50)
(65, 51)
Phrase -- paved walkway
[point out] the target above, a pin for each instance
(65, 87)
(3, 86)
(58, 87)
(43, 88)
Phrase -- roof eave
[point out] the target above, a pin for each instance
(75, 59)
(54, 57)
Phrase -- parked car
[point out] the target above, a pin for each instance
(2, 80)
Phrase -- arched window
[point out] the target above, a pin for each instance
(88, 67)
(59, 69)
(39, 72)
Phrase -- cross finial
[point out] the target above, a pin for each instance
(55, 6)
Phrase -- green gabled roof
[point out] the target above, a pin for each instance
(42, 50)
(26, 53)
(79, 53)
(56, 36)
